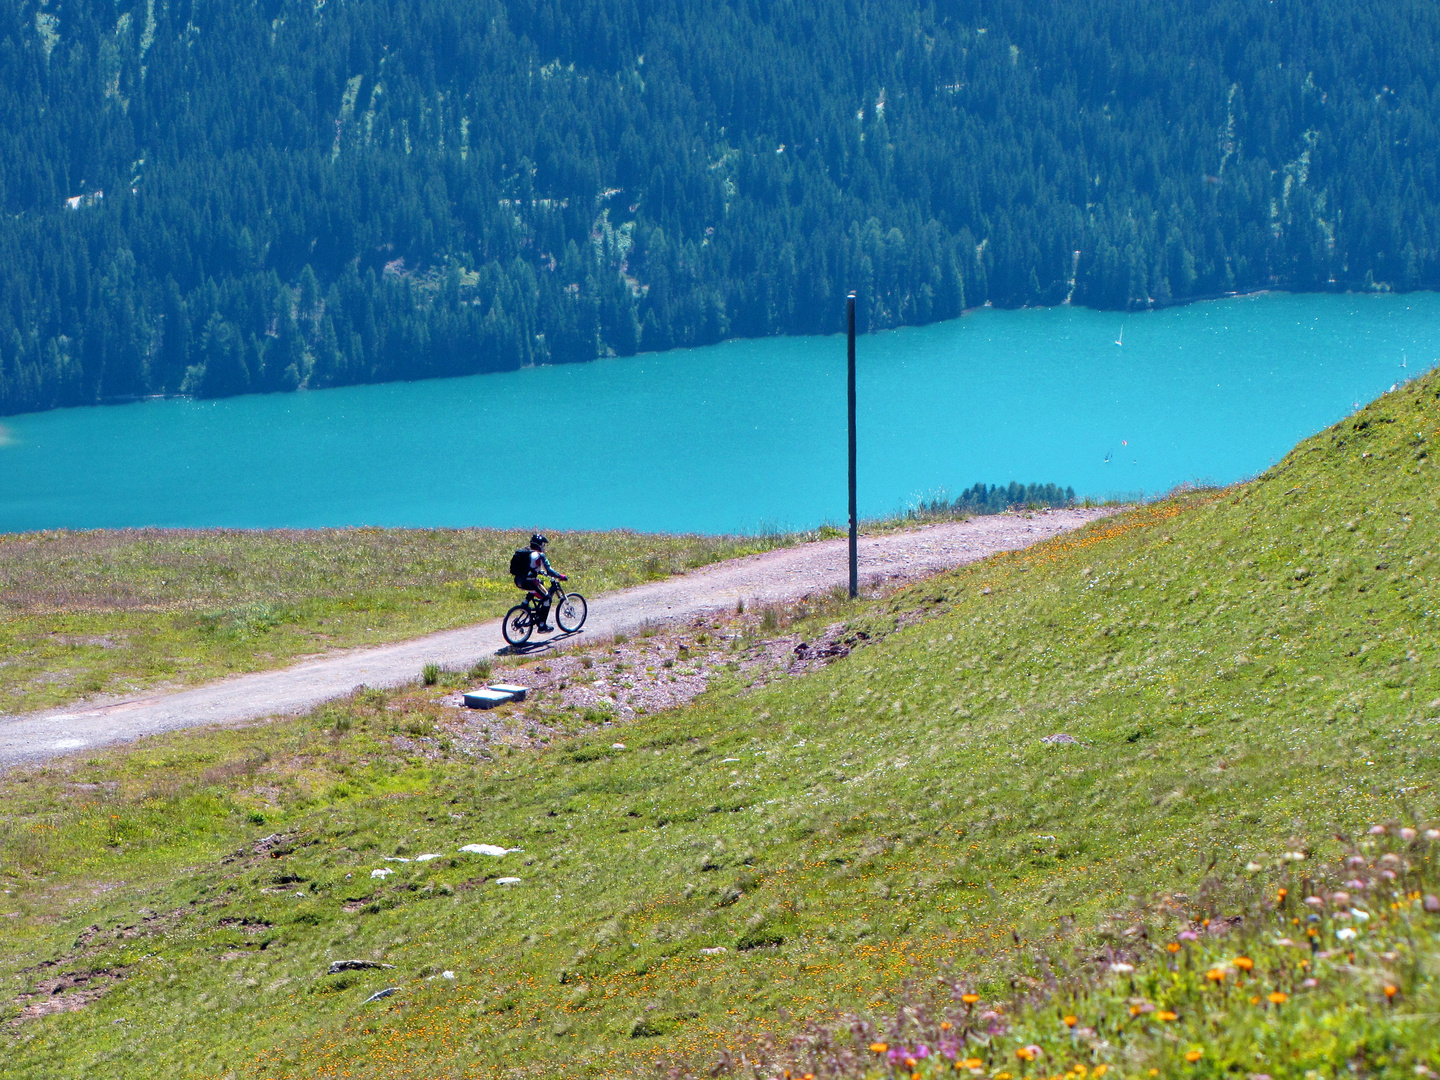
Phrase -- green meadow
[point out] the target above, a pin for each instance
(890, 851)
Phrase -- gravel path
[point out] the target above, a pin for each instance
(775, 576)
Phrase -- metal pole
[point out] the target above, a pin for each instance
(850, 394)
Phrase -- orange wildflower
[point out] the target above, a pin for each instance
(1215, 975)
(1174, 946)
(969, 999)
(1391, 991)
(1165, 1014)
(879, 1047)
(1244, 963)
(1070, 1021)
(1193, 1056)
(1278, 998)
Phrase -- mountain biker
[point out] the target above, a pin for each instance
(534, 566)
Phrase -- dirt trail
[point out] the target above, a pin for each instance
(772, 577)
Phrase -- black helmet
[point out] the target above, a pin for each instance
(537, 541)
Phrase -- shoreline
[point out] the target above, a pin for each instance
(1381, 289)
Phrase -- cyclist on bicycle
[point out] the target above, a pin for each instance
(537, 565)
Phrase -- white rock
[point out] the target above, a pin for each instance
(447, 974)
(716, 951)
(395, 858)
(489, 849)
(382, 873)
(617, 746)
(507, 881)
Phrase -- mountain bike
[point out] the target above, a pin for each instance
(521, 620)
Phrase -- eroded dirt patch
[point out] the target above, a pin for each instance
(68, 991)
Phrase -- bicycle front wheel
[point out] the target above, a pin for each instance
(570, 615)
(518, 625)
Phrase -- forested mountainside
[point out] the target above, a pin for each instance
(213, 197)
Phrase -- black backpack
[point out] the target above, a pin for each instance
(520, 563)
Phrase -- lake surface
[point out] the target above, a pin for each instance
(745, 435)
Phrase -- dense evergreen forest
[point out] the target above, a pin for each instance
(221, 196)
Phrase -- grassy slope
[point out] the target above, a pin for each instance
(1249, 669)
(111, 612)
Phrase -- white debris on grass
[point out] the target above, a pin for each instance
(395, 858)
(489, 849)
(507, 881)
(382, 873)
(426, 857)
(617, 746)
(716, 951)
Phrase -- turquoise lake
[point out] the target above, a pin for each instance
(745, 435)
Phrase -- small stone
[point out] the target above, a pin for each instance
(381, 994)
(1432, 903)
(489, 849)
(507, 881)
(716, 951)
(382, 873)
(337, 966)
(617, 746)
(1060, 739)
(426, 858)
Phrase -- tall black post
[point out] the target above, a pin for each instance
(850, 394)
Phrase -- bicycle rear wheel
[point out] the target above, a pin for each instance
(570, 613)
(519, 624)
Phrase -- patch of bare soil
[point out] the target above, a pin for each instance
(70, 991)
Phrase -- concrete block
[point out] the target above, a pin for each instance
(515, 690)
(485, 698)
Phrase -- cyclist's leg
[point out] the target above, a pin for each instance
(543, 603)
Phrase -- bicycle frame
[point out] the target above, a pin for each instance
(551, 594)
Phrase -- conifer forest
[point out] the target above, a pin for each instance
(215, 197)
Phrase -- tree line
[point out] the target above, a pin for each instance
(212, 199)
